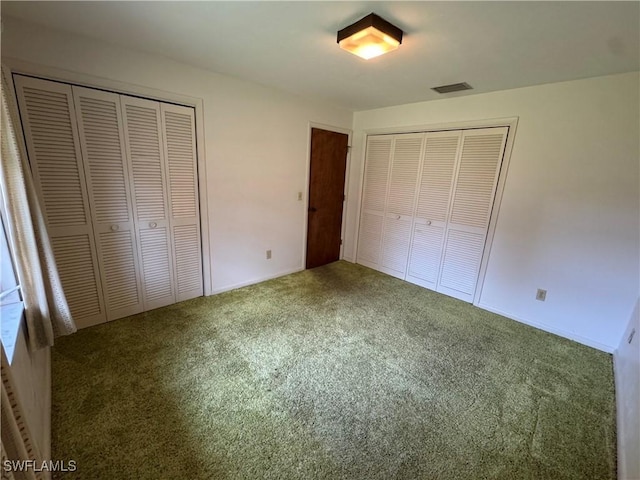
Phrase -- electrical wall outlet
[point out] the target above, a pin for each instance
(541, 295)
(268, 254)
(299, 196)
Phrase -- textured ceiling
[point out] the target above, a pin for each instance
(292, 45)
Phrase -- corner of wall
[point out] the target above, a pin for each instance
(626, 364)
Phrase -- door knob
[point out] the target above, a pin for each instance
(115, 228)
(313, 209)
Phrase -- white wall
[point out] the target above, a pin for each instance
(256, 144)
(31, 373)
(627, 371)
(570, 216)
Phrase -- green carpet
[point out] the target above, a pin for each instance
(339, 372)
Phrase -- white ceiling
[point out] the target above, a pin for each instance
(292, 45)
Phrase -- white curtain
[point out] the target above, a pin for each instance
(46, 309)
(6, 474)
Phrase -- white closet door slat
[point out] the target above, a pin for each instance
(188, 261)
(48, 119)
(157, 266)
(374, 198)
(434, 194)
(147, 167)
(461, 263)
(396, 235)
(101, 137)
(405, 162)
(436, 180)
(55, 164)
(395, 246)
(370, 239)
(119, 263)
(376, 175)
(472, 200)
(144, 146)
(178, 129)
(477, 176)
(75, 258)
(426, 255)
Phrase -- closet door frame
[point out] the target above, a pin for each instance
(510, 122)
(12, 66)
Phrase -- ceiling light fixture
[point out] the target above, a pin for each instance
(369, 37)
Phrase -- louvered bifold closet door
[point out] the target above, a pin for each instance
(147, 168)
(48, 119)
(472, 201)
(432, 209)
(178, 129)
(374, 199)
(102, 142)
(398, 219)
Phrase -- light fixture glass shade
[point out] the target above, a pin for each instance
(369, 37)
(369, 43)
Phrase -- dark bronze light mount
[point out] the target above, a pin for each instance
(370, 37)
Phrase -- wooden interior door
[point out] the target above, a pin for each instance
(326, 196)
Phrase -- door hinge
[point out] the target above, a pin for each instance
(340, 241)
(344, 198)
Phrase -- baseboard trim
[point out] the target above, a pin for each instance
(282, 273)
(556, 331)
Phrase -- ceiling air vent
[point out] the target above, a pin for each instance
(454, 87)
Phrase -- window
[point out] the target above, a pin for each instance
(11, 307)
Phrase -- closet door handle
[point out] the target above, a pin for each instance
(115, 228)
(153, 224)
(428, 222)
(398, 217)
